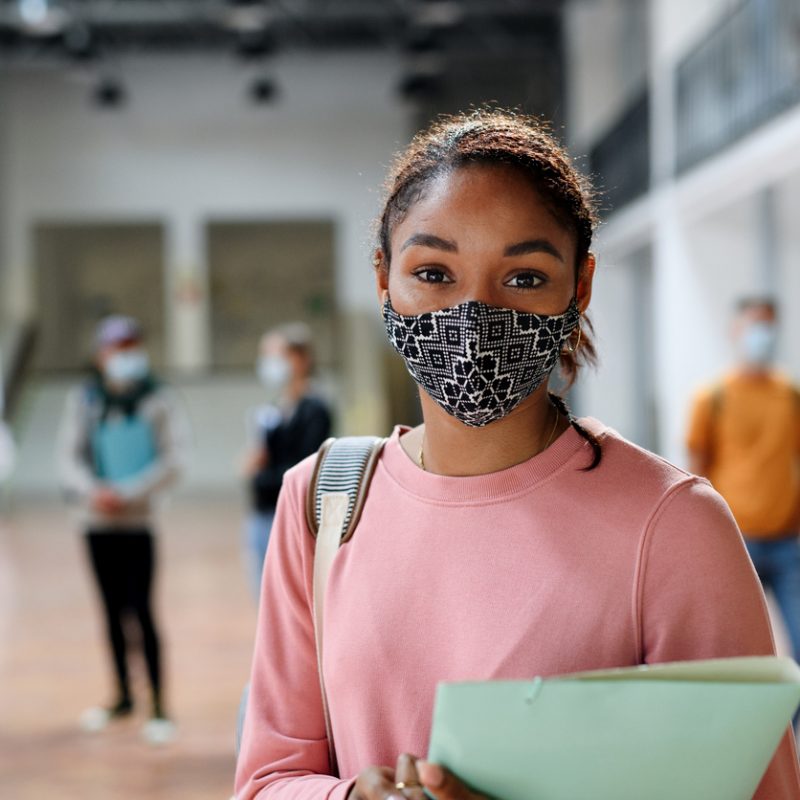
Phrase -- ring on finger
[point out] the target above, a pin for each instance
(408, 785)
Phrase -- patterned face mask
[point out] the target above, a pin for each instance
(478, 362)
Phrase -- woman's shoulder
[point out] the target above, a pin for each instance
(632, 466)
(298, 477)
(649, 490)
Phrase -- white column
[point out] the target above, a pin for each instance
(767, 278)
(671, 262)
(363, 402)
(186, 296)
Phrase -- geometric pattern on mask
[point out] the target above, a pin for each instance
(478, 362)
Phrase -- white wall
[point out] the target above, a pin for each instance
(606, 393)
(606, 43)
(788, 213)
(681, 23)
(189, 147)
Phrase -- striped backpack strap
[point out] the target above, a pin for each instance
(343, 465)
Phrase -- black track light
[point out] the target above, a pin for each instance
(263, 91)
(109, 94)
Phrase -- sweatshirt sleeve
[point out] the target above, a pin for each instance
(74, 464)
(698, 597)
(284, 751)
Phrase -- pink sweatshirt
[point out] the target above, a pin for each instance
(539, 569)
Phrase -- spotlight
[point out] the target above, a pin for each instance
(41, 18)
(438, 14)
(246, 17)
(263, 91)
(423, 81)
(109, 94)
(79, 42)
(255, 44)
(423, 41)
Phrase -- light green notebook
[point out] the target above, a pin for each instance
(695, 730)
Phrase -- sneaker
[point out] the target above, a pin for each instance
(96, 718)
(159, 731)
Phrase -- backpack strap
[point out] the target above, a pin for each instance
(343, 465)
(335, 499)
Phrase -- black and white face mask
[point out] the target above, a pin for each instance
(478, 362)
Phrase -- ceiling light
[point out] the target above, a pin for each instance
(79, 42)
(109, 94)
(423, 81)
(255, 44)
(246, 17)
(438, 14)
(263, 91)
(41, 18)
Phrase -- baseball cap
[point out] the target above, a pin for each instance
(117, 329)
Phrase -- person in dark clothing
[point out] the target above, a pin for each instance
(283, 433)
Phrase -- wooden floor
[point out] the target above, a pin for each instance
(53, 663)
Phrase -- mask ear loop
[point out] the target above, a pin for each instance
(578, 342)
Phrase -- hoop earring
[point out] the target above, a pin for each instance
(578, 342)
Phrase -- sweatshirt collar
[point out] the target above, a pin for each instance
(568, 449)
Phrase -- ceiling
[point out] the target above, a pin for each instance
(256, 28)
(456, 53)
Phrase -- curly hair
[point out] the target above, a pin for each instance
(497, 137)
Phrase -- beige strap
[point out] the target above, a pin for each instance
(331, 529)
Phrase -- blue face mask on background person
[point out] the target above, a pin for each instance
(479, 362)
(127, 366)
(758, 344)
(274, 372)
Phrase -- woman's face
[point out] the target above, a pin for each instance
(483, 233)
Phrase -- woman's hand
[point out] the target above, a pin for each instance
(408, 781)
(107, 501)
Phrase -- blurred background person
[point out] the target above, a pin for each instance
(7, 446)
(121, 443)
(284, 431)
(744, 435)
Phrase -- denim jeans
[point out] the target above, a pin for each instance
(777, 562)
(257, 530)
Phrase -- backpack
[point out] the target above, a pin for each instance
(121, 447)
(334, 502)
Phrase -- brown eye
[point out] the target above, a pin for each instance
(525, 280)
(432, 275)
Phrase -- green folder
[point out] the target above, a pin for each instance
(694, 730)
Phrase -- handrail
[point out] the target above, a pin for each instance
(620, 159)
(744, 72)
(18, 345)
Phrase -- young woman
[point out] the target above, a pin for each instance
(503, 538)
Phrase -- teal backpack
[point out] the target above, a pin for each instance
(121, 446)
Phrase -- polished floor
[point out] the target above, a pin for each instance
(53, 663)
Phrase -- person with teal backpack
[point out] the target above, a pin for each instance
(122, 443)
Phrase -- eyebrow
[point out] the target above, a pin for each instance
(429, 240)
(532, 246)
(519, 249)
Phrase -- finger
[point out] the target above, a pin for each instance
(377, 783)
(442, 784)
(408, 782)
